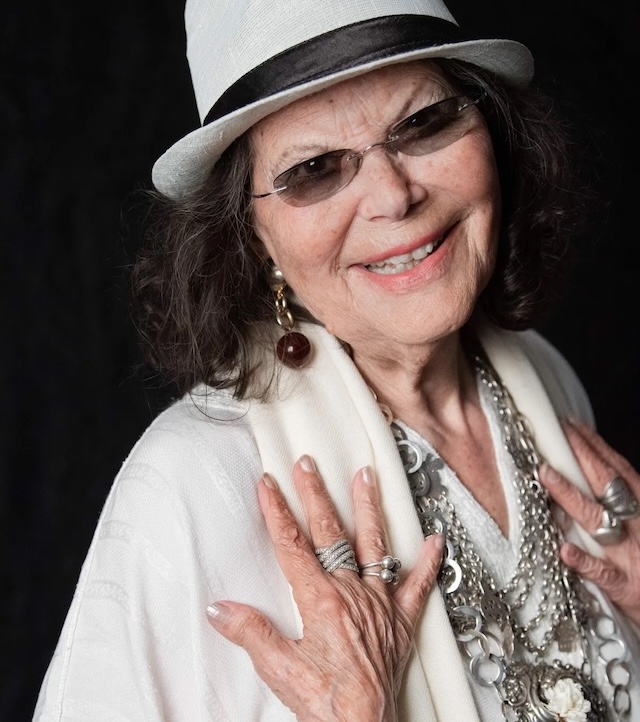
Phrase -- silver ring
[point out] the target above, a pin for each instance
(387, 572)
(611, 529)
(619, 501)
(339, 555)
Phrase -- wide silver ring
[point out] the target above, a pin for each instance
(611, 529)
(618, 499)
(387, 570)
(339, 555)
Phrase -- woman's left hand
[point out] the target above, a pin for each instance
(618, 572)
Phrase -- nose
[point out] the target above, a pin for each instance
(387, 189)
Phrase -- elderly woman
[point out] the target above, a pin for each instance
(358, 488)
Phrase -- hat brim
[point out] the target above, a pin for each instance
(186, 165)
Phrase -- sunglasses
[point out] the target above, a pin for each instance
(428, 130)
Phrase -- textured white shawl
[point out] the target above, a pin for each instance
(328, 411)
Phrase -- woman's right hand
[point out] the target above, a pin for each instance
(357, 631)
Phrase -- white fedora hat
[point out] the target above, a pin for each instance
(249, 58)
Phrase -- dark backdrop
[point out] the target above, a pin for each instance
(91, 95)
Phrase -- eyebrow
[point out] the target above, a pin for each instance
(301, 153)
(402, 114)
(296, 154)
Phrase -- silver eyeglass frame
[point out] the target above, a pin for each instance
(358, 156)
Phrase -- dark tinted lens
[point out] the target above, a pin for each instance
(434, 127)
(316, 179)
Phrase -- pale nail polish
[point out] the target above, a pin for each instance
(218, 613)
(307, 463)
(549, 474)
(269, 481)
(438, 542)
(563, 520)
(369, 476)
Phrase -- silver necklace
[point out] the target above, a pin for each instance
(489, 621)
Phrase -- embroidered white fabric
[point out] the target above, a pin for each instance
(182, 528)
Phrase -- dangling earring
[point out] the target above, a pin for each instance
(293, 349)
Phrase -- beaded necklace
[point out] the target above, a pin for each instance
(488, 620)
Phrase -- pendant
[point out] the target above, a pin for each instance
(494, 609)
(552, 693)
(567, 635)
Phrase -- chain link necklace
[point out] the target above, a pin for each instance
(488, 620)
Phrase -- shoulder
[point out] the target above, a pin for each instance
(566, 391)
(200, 429)
(191, 475)
(181, 527)
(199, 453)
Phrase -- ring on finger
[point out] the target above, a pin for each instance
(618, 499)
(339, 555)
(611, 529)
(387, 569)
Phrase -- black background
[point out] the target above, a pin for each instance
(91, 95)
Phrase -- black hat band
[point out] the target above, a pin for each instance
(332, 52)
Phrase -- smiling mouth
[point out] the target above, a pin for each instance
(405, 261)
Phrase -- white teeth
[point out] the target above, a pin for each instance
(403, 262)
(423, 251)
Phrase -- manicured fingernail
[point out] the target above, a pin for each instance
(438, 542)
(307, 463)
(563, 520)
(218, 613)
(572, 424)
(549, 474)
(369, 476)
(269, 481)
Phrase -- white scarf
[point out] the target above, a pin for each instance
(328, 412)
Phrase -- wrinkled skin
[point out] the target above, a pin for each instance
(396, 203)
(357, 631)
(403, 329)
(617, 573)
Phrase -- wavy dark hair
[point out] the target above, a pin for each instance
(201, 294)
